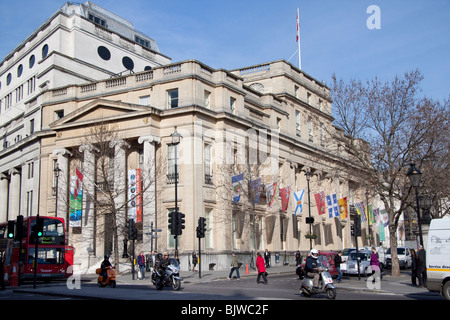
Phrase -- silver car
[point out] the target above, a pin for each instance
(364, 263)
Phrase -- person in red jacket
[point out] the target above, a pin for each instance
(260, 265)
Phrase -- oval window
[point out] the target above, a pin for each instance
(128, 63)
(44, 51)
(31, 61)
(8, 79)
(147, 68)
(104, 53)
(19, 71)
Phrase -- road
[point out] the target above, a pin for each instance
(280, 287)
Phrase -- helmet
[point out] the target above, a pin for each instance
(314, 253)
(159, 256)
(106, 257)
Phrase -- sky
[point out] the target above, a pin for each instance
(334, 35)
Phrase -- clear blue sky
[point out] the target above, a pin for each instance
(233, 34)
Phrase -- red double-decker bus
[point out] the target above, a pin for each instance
(51, 259)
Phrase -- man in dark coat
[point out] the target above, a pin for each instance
(421, 266)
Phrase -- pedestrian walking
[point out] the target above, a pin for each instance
(234, 266)
(298, 258)
(337, 265)
(413, 267)
(421, 266)
(374, 262)
(194, 260)
(267, 258)
(260, 265)
(141, 264)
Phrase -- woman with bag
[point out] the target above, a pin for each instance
(260, 265)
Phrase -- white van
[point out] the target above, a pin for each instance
(438, 257)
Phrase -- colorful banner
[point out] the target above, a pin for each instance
(343, 208)
(271, 191)
(320, 202)
(299, 202)
(256, 189)
(330, 206)
(335, 206)
(359, 206)
(237, 186)
(285, 194)
(134, 195)
(75, 203)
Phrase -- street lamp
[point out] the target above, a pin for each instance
(414, 175)
(56, 172)
(308, 177)
(176, 138)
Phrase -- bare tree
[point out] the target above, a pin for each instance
(396, 126)
(109, 196)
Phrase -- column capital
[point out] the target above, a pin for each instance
(119, 143)
(61, 151)
(89, 147)
(149, 138)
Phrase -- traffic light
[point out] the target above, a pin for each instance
(132, 230)
(19, 228)
(173, 223)
(11, 226)
(352, 228)
(37, 230)
(201, 228)
(180, 223)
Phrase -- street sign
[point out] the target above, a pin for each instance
(156, 230)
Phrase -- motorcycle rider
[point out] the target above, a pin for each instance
(104, 266)
(162, 263)
(312, 267)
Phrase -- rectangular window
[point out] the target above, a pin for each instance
(97, 20)
(171, 158)
(31, 85)
(208, 99)
(142, 42)
(297, 123)
(29, 203)
(207, 163)
(308, 98)
(233, 105)
(31, 126)
(144, 101)
(321, 133)
(172, 98)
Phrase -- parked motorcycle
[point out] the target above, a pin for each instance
(325, 285)
(110, 277)
(171, 276)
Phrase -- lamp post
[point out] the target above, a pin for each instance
(56, 172)
(308, 177)
(414, 175)
(176, 138)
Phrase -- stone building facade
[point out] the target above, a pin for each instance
(270, 121)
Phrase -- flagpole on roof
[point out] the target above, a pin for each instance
(298, 40)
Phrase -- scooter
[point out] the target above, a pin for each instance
(110, 277)
(171, 276)
(325, 285)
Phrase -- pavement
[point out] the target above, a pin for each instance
(84, 286)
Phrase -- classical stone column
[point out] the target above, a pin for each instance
(149, 186)
(120, 186)
(4, 187)
(14, 193)
(87, 221)
(63, 183)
